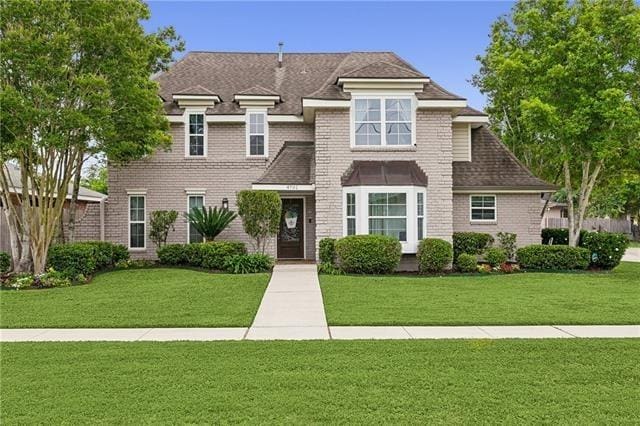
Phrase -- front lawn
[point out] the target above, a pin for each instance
(634, 244)
(139, 298)
(363, 382)
(525, 298)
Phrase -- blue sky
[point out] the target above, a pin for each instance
(441, 39)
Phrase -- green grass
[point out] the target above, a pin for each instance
(526, 298)
(635, 244)
(139, 298)
(365, 382)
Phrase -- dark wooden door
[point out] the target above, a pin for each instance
(291, 235)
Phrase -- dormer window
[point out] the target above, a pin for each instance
(196, 145)
(383, 121)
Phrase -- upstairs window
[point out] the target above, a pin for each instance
(257, 144)
(483, 208)
(196, 135)
(383, 121)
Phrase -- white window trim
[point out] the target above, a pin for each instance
(248, 132)
(187, 133)
(204, 201)
(130, 222)
(422, 216)
(383, 121)
(495, 209)
(362, 211)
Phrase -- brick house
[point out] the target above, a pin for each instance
(355, 143)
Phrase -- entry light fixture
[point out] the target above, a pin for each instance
(225, 203)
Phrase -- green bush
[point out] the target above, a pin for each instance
(559, 236)
(5, 262)
(553, 258)
(260, 212)
(215, 253)
(327, 251)
(368, 254)
(329, 269)
(507, 242)
(172, 254)
(495, 256)
(106, 254)
(434, 255)
(470, 242)
(73, 259)
(467, 263)
(606, 248)
(209, 255)
(248, 263)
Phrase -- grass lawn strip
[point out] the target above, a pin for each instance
(139, 298)
(514, 381)
(516, 299)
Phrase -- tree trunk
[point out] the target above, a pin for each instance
(578, 213)
(74, 199)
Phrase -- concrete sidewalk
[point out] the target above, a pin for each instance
(631, 255)
(291, 308)
(311, 333)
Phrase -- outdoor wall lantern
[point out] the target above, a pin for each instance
(225, 203)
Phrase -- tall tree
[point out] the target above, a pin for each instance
(563, 86)
(75, 81)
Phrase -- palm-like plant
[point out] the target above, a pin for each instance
(210, 222)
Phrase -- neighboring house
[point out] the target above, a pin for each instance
(355, 143)
(90, 211)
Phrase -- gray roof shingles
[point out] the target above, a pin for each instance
(493, 166)
(302, 75)
(293, 165)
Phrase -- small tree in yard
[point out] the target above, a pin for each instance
(162, 221)
(260, 212)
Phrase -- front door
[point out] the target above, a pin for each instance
(291, 235)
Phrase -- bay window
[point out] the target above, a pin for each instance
(383, 121)
(395, 211)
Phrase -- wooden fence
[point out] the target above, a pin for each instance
(592, 224)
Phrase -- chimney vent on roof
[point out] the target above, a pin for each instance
(280, 44)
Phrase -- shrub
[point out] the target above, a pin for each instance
(18, 281)
(327, 251)
(508, 243)
(606, 248)
(260, 212)
(215, 253)
(5, 262)
(162, 221)
(495, 256)
(50, 279)
(106, 254)
(172, 254)
(210, 222)
(434, 255)
(193, 254)
(470, 242)
(248, 263)
(544, 257)
(467, 262)
(368, 254)
(329, 269)
(73, 259)
(559, 236)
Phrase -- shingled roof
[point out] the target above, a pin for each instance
(302, 75)
(374, 173)
(293, 165)
(493, 166)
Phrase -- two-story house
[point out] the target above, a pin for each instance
(355, 143)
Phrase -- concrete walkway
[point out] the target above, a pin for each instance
(292, 307)
(312, 333)
(631, 255)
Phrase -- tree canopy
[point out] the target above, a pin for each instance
(563, 86)
(75, 80)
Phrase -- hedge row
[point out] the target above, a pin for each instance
(470, 242)
(605, 248)
(210, 255)
(75, 260)
(553, 258)
(367, 254)
(5, 262)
